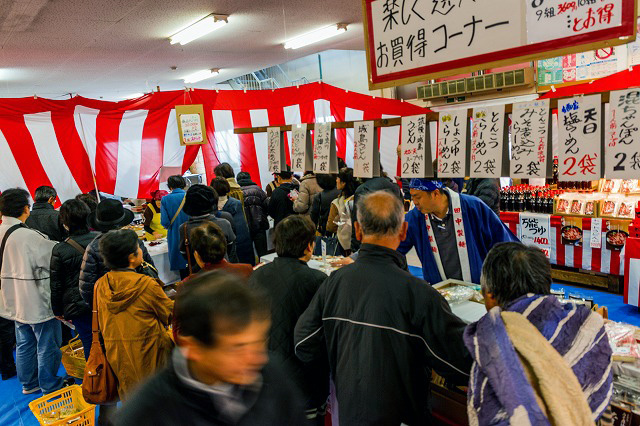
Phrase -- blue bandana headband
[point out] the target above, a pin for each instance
(425, 184)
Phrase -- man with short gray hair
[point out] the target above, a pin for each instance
(382, 328)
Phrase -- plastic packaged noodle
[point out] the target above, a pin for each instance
(457, 294)
(623, 341)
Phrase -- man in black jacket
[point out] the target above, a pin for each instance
(383, 328)
(44, 217)
(281, 201)
(488, 190)
(220, 373)
(291, 284)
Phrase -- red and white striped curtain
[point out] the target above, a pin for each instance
(126, 146)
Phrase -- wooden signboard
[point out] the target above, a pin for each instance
(191, 127)
(418, 40)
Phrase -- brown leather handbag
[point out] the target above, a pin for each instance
(99, 384)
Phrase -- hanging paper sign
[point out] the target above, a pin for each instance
(191, 127)
(301, 149)
(325, 159)
(622, 144)
(487, 142)
(580, 138)
(596, 234)
(452, 144)
(559, 19)
(366, 159)
(529, 138)
(416, 147)
(535, 229)
(275, 149)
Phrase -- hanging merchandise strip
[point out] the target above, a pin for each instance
(487, 139)
(580, 138)
(529, 135)
(621, 144)
(461, 239)
(452, 143)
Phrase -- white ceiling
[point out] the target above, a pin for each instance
(113, 48)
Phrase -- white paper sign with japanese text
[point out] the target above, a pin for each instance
(275, 150)
(555, 19)
(487, 136)
(579, 138)
(596, 233)
(529, 138)
(622, 137)
(301, 148)
(452, 143)
(535, 229)
(191, 128)
(416, 151)
(365, 150)
(410, 34)
(324, 149)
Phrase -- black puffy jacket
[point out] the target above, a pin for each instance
(93, 268)
(488, 190)
(66, 262)
(255, 206)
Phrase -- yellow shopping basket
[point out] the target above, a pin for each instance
(64, 407)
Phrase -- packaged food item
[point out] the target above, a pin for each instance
(623, 341)
(576, 207)
(559, 293)
(608, 186)
(589, 208)
(457, 294)
(563, 205)
(626, 209)
(627, 186)
(608, 207)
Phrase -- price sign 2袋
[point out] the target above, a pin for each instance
(580, 136)
(622, 143)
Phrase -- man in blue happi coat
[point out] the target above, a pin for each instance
(452, 232)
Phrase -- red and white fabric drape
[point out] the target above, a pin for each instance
(125, 145)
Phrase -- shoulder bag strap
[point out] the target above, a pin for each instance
(187, 248)
(4, 243)
(175, 216)
(75, 245)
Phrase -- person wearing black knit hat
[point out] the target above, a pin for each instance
(201, 204)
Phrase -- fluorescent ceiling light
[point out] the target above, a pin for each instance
(202, 27)
(201, 75)
(315, 36)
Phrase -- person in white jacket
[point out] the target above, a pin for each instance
(26, 296)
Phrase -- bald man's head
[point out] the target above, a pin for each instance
(381, 214)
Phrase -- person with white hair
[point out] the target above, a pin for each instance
(383, 329)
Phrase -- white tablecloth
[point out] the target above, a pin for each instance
(314, 264)
(160, 255)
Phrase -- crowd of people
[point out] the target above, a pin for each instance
(245, 343)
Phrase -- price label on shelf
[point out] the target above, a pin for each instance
(596, 233)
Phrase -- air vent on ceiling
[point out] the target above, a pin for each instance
(481, 83)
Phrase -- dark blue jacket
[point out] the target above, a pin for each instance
(168, 208)
(244, 244)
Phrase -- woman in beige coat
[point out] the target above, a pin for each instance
(308, 189)
(133, 313)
